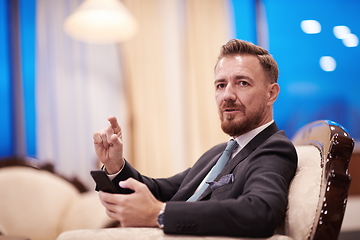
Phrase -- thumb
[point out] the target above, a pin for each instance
(131, 183)
(116, 141)
(114, 124)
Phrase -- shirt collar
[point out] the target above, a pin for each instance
(244, 139)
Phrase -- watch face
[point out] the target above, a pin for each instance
(160, 220)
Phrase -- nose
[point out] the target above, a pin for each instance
(229, 93)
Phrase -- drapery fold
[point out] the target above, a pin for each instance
(169, 80)
(159, 85)
(77, 86)
(209, 27)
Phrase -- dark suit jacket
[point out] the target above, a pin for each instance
(252, 204)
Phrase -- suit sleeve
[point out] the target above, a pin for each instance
(162, 188)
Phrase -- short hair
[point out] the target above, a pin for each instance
(240, 47)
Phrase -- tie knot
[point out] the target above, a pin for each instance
(232, 145)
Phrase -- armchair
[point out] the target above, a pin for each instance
(39, 205)
(317, 194)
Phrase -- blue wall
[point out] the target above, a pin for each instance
(308, 92)
(26, 13)
(6, 143)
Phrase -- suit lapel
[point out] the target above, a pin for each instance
(186, 191)
(244, 153)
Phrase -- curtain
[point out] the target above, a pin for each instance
(159, 85)
(209, 27)
(77, 86)
(169, 82)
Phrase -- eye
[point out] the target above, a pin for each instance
(243, 83)
(220, 86)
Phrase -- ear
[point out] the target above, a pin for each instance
(273, 93)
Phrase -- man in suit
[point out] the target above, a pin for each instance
(248, 196)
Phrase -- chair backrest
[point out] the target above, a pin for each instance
(319, 190)
(33, 202)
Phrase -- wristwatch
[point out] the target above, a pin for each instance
(160, 217)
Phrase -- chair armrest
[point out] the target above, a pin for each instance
(13, 238)
(86, 212)
(140, 234)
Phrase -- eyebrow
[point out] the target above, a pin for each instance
(243, 77)
(219, 81)
(237, 78)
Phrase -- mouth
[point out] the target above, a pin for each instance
(229, 110)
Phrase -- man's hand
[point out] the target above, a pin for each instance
(109, 147)
(139, 209)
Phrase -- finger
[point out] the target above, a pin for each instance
(97, 138)
(104, 139)
(115, 125)
(132, 184)
(116, 142)
(111, 214)
(109, 132)
(110, 207)
(106, 198)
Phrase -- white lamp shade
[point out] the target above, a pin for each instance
(101, 22)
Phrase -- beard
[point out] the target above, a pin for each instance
(237, 126)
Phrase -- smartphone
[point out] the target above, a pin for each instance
(103, 182)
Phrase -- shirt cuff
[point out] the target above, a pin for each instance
(112, 176)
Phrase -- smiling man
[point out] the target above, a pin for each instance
(237, 188)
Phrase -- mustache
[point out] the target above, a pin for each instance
(231, 105)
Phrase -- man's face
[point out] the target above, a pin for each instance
(243, 94)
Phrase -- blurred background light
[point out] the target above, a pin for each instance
(311, 26)
(341, 31)
(327, 63)
(101, 22)
(315, 42)
(344, 33)
(351, 40)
